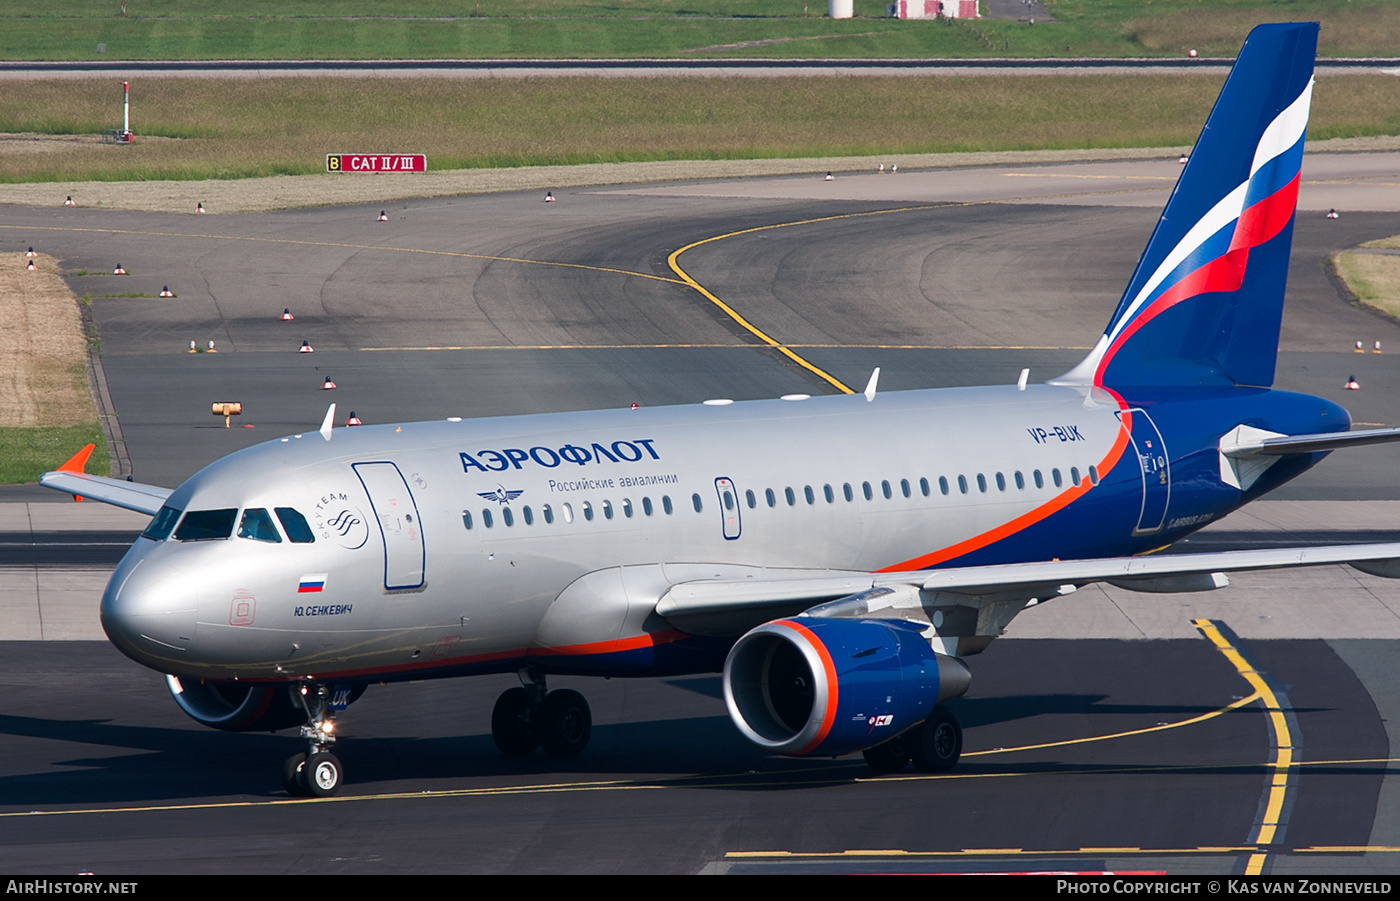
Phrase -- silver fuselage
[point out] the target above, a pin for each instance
(425, 556)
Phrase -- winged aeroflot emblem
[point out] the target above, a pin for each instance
(500, 495)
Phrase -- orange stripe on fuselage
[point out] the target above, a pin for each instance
(1026, 520)
(611, 646)
(832, 687)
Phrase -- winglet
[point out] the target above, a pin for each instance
(870, 385)
(78, 463)
(326, 423)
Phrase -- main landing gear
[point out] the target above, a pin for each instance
(934, 746)
(531, 716)
(317, 773)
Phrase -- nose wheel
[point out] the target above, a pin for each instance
(532, 717)
(317, 773)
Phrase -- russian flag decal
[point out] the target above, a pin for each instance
(311, 582)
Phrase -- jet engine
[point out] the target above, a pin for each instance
(231, 707)
(811, 685)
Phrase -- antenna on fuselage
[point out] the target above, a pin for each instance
(1021, 382)
(870, 385)
(326, 423)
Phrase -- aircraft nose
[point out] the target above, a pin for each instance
(149, 611)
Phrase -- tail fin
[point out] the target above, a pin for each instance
(1204, 305)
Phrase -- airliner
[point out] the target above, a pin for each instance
(836, 558)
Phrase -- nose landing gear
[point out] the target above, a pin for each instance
(531, 716)
(317, 773)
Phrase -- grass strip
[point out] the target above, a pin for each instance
(192, 129)
(27, 453)
(422, 29)
(1373, 278)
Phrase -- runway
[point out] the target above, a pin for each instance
(1086, 754)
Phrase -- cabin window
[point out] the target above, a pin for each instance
(923, 487)
(867, 491)
(885, 489)
(646, 506)
(1001, 482)
(666, 504)
(1020, 481)
(846, 490)
(568, 511)
(486, 518)
(943, 484)
(160, 526)
(548, 512)
(981, 483)
(507, 516)
(1055, 477)
(257, 525)
(1039, 479)
(829, 494)
(807, 492)
(962, 484)
(294, 524)
(607, 510)
(695, 500)
(791, 497)
(588, 510)
(529, 516)
(1074, 476)
(904, 487)
(770, 497)
(467, 519)
(749, 496)
(627, 507)
(727, 498)
(1093, 475)
(206, 525)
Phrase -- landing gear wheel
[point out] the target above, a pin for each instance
(889, 757)
(936, 745)
(322, 774)
(510, 723)
(291, 775)
(564, 723)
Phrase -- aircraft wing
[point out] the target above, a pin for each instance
(130, 495)
(729, 606)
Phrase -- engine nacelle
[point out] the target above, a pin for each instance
(241, 708)
(832, 686)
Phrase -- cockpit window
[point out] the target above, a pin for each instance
(298, 532)
(161, 524)
(257, 525)
(204, 525)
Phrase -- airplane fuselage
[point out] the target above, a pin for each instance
(446, 548)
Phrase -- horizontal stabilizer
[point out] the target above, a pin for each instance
(1246, 442)
(129, 495)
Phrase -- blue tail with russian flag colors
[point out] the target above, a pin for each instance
(1203, 307)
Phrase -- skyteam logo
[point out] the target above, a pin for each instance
(338, 520)
(501, 495)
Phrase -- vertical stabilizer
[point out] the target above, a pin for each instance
(1203, 307)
